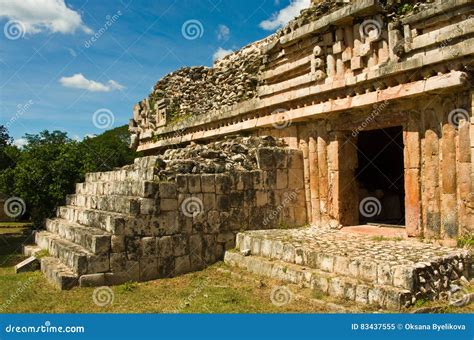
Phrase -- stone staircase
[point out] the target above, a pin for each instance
(389, 273)
(89, 231)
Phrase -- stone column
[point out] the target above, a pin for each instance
(314, 176)
(323, 171)
(430, 175)
(411, 140)
(303, 132)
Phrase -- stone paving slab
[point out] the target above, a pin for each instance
(426, 270)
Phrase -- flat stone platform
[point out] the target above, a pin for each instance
(390, 272)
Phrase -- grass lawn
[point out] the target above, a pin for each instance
(213, 290)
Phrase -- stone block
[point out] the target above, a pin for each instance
(148, 246)
(326, 262)
(116, 278)
(132, 247)
(92, 280)
(117, 244)
(361, 294)
(223, 203)
(168, 204)
(180, 245)
(384, 274)
(258, 179)
(168, 223)
(338, 47)
(98, 263)
(368, 271)
(223, 184)
(168, 190)
(295, 179)
(261, 198)
(288, 253)
(118, 262)
(213, 221)
(236, 199)
(148, 206)
(194, 184)
(182, 265)
(403, 277)
(208, 183)
(341, 265)
(164, 247)
(336, 287)
(148, 268)
(209, 201)
(277, 250)
(182, 183)
(266, 159)
(281, 179)
(195, 245)
(356, 63)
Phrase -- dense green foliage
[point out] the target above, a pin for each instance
(44, 171)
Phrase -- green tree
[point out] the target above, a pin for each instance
(47, 168)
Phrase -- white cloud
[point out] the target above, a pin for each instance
(223, 32)
(20, 142)
(78, 81)
(221, 53)
(43, 15)
(285, 15)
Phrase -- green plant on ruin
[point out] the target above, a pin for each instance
(404, 8)
(173, 109)
(466, 241)
(42, 253)
(420, 303)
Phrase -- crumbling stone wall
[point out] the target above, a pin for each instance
(169, 214)
(192, 91)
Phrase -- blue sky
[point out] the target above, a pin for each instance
(52, 76)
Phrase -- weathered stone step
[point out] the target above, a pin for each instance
(58, 273)
(77, 258)
(94, 240)
(145, 189)
(127, 173)
(129, 205)
(111, 222)
(397, 272)
(338, 286)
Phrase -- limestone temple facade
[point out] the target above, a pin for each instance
(355, 113)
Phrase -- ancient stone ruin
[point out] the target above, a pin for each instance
(355, 113)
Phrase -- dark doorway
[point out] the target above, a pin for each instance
(380, 176)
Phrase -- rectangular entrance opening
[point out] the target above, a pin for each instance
(380, 177)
